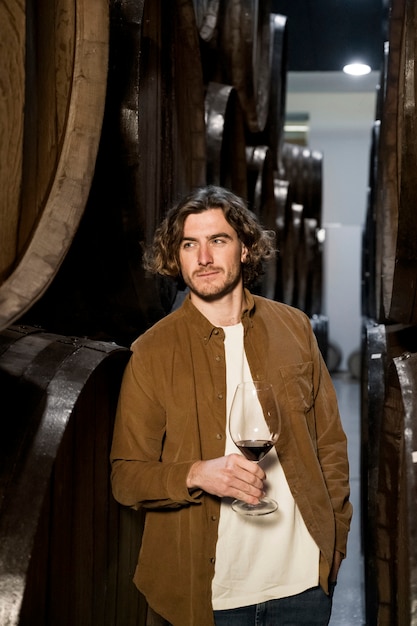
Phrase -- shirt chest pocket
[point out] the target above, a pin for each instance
(299, 395)
(298, 383)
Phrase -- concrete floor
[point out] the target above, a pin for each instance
(349, 601)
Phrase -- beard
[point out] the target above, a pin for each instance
(212, 290)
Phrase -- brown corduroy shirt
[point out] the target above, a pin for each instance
(172, 412)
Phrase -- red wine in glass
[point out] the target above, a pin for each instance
(255, 424)
(255, 450)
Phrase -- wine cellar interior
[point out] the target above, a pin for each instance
(110, 112)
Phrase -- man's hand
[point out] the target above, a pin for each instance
(231, 475)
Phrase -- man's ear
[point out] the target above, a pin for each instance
(244, 254)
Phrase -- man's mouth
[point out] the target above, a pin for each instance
(207, 273)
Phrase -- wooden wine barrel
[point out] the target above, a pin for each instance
(303, 168)
(282, 203)
(263, 202)
(157, 91)
(152, 151)
(381, 88)
(371, 248)
(313, 293)
(226, 153)
(303, 245)
(397, 187)
(374, 355)
(389, 545)
(406, 366)
(387, 184)
(289, 249)
(67, 549)
(301, 253)
(392, 503)
(245, 54)
(260, 172)
(301, 257)
(54, 69)
(320, 325)
(273, 133)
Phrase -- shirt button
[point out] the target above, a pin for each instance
(217, 358)
(212, 560)
(213, 518)
(220, 396)
(219, 436)
(216, 331)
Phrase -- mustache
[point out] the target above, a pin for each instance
(207, 270)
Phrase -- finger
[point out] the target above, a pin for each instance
(248, 496)
(249, 466)
(242, 483)
(251, 480)
(238, 474)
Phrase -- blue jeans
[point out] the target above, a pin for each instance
(310, 608)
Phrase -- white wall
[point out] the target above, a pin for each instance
(340, 127)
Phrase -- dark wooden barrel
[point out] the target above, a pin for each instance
(273, 133)
(397, 187)
(406, 366)
(226, 145)
(152, 151)
(371, 305)
(282, 202)
(388, 473)
(54, 72)
(302, 246)
(157, 92)
(374, 356)
(388, 158)
(301, 258)
(260, 172)
(303, 167)
(68, 550)
(312, 297)
(245, 52)
(264, 202)
(289, 249)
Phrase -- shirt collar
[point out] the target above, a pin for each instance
(205, 328)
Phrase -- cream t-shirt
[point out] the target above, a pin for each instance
(266, 557)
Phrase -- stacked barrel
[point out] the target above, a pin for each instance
(60, 558)
(389, 305)
(53, 73)
(112, 112)
(244, 56)
(195, 94)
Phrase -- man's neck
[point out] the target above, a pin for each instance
(226, 311)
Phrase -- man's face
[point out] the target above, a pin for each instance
(211, 255)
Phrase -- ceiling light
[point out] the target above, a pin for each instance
(357, 69)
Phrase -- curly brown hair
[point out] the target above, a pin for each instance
(162, 256)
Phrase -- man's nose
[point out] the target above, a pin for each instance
(204, 255)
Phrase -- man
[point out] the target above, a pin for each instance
(200, 562)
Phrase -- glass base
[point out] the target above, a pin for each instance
(265, 506)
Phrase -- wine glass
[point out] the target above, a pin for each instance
(255, 425)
